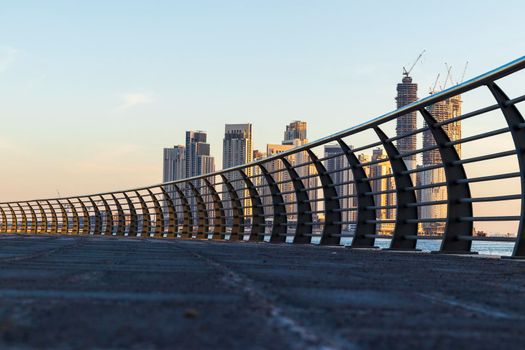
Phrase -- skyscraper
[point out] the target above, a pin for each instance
(237, 150)
(174, 164)
(198, 162)
(296, 130)
(197, 155)
(406, 94)
(237, 145)
(441, 111)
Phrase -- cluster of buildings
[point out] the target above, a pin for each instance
(193, 159)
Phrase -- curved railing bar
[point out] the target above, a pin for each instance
(403, 230)
(457, 188)
(65, 220)
(14, 220)
(23, 227)
(34, 221)
(146, 218)
(86, 224)
(516, 123)
(3, 226)
(279, 226)
(43, 219)
(237, 227)
(364, 230)
(54, 218)
(257, 232)
(332, 226)
(219, 222)
(97, 228)
(75, 229)
(133, 220)
(121, 219)
(203, 223)
(303, 228)
(187, 223)
(108, 229)
(159, 215)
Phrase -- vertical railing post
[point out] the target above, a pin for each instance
(43, 219)
(516, 125)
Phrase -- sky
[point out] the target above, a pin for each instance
(90, 92)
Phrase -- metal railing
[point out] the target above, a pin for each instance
(298, 196)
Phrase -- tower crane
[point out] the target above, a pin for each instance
(449, 69)
(433, 88)
(464, 71)
(406, 72)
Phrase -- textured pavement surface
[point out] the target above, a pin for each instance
(81, 292)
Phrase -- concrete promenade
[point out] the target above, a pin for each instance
(81, 292)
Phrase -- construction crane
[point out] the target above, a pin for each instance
(406, 73)
(464, 71)
(449, 69)
(432, 89)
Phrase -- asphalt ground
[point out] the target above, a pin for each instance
(61, 292)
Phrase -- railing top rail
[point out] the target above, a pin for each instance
(468, 85)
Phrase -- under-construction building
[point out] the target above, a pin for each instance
(441, 111)
(406, 94)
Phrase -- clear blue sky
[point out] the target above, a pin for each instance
(90, 92)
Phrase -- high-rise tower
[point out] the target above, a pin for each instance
(174, 164)
(296, 130)
(406, 94)
(197, 154)
(237, 150)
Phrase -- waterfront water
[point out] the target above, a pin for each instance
(427, 245)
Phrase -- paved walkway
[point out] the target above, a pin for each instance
(65, 292)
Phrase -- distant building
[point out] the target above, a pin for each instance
(296, 130)
(197, 149)
(406, 94)
(174, 164)
(237, 150)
